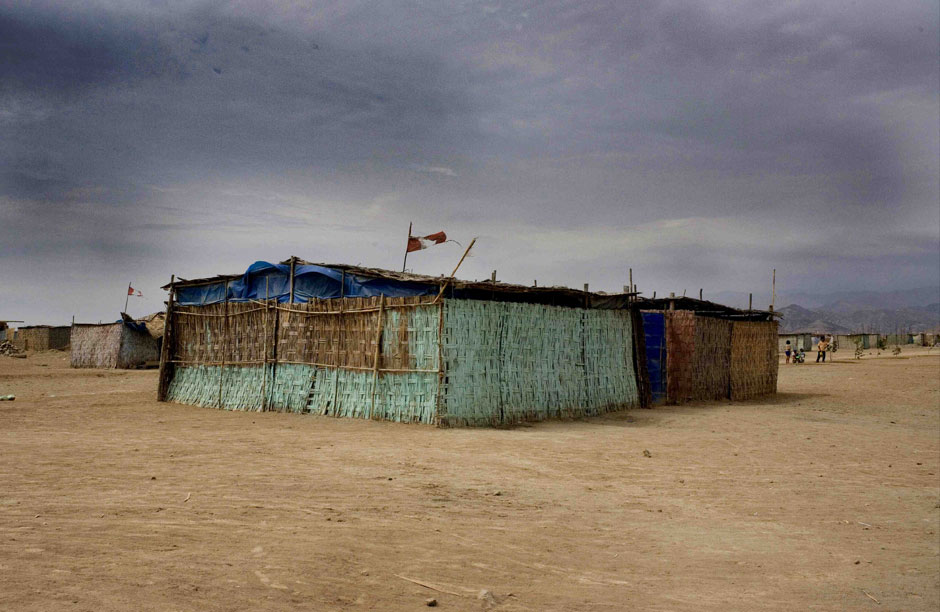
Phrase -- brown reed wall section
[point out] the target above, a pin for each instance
(338, 356)
(344, 332)
(754, 360)
(327, 333)
(680, 354)
(711, 364)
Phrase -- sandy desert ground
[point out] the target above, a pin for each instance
(826, 497)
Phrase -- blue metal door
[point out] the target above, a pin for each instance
(654, 329)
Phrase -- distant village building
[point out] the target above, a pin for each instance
(41, 337)
(123, 344)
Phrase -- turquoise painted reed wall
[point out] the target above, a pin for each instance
(509, 362)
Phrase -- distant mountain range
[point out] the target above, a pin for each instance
(885, 312)
(883, 321)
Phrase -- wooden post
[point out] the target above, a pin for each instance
(378, 351)
(631, 282)
(535, 283)
(264, 349)
(700, 295)
(654, 295)
(750, 302)
(773, 290)
(222, 342)
(293, 261)
(405, 263)
(166, 368)
(493, 277)
(587, 296)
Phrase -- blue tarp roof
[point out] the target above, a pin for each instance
(310, 282)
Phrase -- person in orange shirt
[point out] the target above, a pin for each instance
(822, 347)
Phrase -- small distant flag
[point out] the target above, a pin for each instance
(417, 243)
(134, 292)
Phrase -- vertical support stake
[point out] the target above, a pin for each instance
(378, 352)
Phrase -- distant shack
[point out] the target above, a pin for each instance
(123, 344)
(41, 337)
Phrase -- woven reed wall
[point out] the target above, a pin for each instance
(317, 357)
(137, 348)
(362, 358)
(95, 346)
(754, 360)
(509, 362)
(680, 356)
(42, 338)
(711, 364)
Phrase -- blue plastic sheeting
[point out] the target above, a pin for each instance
(654, 329)
(310, 282)
(136, 326)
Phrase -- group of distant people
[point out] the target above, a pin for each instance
(822, 347)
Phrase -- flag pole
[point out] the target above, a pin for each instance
(127, 297)
(405, 263)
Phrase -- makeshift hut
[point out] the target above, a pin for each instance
(123, 344)
(797, 342)
(41, 337)
(700, 350)
(844, 342)
(348, 341)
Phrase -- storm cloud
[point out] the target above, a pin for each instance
(701, 144)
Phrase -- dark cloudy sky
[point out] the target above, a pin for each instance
(701, 143)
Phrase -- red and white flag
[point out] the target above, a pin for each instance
(417, 243)
(134, 292)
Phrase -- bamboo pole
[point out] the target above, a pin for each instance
(440, 366)
(222, 343)
(163, 385)
(773, 290)
(293, 262)
(336, 371)
(407, 242)
(457, 267)
(264, 349)
(378, 351)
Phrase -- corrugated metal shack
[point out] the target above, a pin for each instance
(123, 344)
(700, 350)
(348, 341)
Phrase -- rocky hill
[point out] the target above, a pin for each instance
(843, 321)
